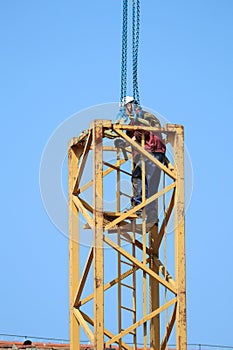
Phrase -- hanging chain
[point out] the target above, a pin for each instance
(124, 50)
(135, 46)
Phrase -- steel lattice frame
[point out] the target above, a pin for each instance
(143, 255)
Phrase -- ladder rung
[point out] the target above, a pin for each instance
(127, 286)
(132, 333)
(125, 239)
(125, 194)
(125, 262)
(127, 309)
(116, 168)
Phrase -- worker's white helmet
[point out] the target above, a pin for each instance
(127, 99)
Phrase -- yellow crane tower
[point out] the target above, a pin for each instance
(137, 247)
(144, 298)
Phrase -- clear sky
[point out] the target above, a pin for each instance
(60, 57)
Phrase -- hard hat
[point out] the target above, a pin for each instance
(127, 99)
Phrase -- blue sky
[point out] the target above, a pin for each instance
(60, 57)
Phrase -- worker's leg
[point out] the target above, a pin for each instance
(137, 184)
(153, 174)
(137, 191)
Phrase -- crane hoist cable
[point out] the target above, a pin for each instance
(124, 56)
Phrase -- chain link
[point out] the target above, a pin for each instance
(135, 45)
(124, 50)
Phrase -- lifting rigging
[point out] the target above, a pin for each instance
(124, 57)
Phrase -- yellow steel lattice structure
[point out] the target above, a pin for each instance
(147, 279)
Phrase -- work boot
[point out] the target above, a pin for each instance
(138, 212)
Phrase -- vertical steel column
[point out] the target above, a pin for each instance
(118, 188)
(154, 293)
(97, 126)
(134, 278)
(73, 154)
(134, 290)
(179, 230)
(144, 244)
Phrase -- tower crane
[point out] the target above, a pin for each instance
(131, 291)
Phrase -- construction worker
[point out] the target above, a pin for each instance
(156, 147)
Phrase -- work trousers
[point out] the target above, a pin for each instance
(152, 179)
